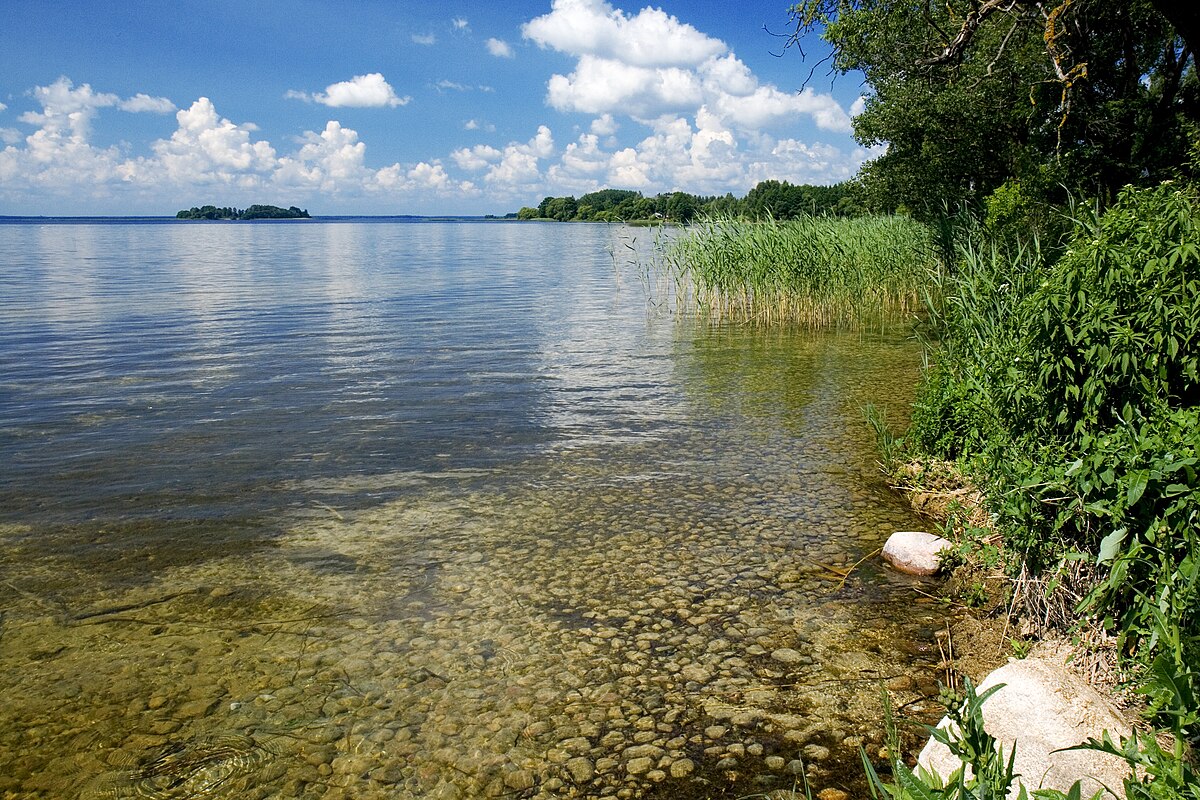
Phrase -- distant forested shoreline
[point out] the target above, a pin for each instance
(772, 198)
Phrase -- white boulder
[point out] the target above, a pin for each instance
(1044, 707)
(914, 552)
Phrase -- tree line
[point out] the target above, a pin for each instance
(772, 198)
(251, 212)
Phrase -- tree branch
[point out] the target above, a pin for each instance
(975, 17)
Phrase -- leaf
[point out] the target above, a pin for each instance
(1138, 486)
(1110, 545)
(911, 784)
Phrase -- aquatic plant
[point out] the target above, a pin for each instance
(820, 272)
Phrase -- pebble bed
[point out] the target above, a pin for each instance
(582, 626)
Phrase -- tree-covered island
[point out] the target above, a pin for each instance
(252, 212)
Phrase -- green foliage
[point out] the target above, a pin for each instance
(1020, 211)
(771, 198)
(818, 271)
(1072, 389)
(986, 773)
(253, 212)
(885, 440)
(782, 200)
(1116, 330)
(1099, 93)
(1157, 773)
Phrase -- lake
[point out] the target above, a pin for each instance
(439, 509)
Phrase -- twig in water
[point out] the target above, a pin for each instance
(846, 576)
(104, 612)
(330, 509)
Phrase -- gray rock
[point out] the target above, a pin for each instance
(816, 752)
(682, 768)
(915, 552)
(786, 655)
(1042, 708)
(643, 751)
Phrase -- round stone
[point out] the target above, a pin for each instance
(519, 780)
(786, 655)
(580, 769)
(639, 766)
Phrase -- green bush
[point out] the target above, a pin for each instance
(1072, 391)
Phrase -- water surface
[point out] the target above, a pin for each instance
(354, 509)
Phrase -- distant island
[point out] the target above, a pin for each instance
(253, 212)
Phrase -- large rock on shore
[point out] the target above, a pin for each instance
(1044, 707)
(914, 552)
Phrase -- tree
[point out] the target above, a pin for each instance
(607, 199)
(969, 94)
(680, 206)
(560, 208)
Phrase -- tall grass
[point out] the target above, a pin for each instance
(820, 272)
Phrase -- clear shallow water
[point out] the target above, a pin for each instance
(442, 509)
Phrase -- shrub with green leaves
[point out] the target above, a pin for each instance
(1072, 390)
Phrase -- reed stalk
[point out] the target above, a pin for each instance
(818, 272)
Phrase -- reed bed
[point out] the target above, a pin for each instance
(819, 272)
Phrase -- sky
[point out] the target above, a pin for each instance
(399, 107)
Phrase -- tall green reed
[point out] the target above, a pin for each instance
(820, 272)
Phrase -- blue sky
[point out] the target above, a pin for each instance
(397, 107)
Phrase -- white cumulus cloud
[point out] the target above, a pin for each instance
(519, 163)
(651, 38)
(425, 39)
(67, 110)
(207, 148)
(143, 103)
(361, 91)
(57, 163)
(605, 125)
(59, 156)
(475, 158)
(331, 161)
(499, 48)
(651, 64)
